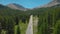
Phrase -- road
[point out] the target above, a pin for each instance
(30, 26)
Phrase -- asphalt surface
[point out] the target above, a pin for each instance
(30, 26)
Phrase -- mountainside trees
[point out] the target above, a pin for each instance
(49, 19)
(48, 23)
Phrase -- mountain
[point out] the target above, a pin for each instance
(50, 4)
(16, 6)
(2, 6)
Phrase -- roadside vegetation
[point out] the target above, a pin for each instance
(16, 21)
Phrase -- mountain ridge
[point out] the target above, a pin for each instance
(16, 7)
(50, 4)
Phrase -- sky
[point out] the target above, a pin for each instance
(26, 3)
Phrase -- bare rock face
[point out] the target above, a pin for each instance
(57, 1)
(16, 6)
(50, 4)
(53, 3)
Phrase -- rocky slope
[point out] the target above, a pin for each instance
(50, 4)
(16, 6)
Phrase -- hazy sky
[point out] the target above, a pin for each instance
(26, 3)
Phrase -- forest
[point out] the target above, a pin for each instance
(49, 20)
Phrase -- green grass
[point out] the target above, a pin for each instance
(15, 29)
(3, 32)
(35, 25)
(23, 27)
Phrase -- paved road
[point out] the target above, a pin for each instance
(30, 26)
